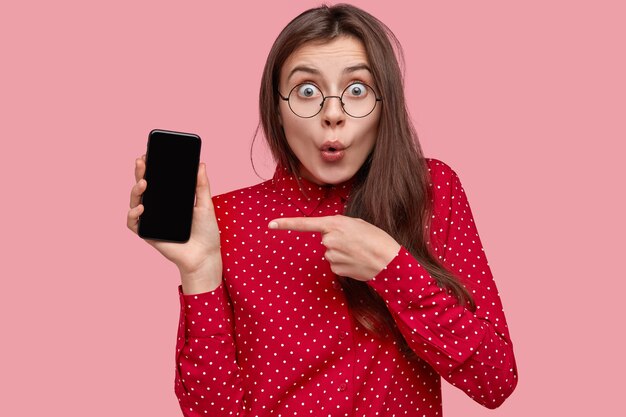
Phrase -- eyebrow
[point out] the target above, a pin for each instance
(314, 71)
(302, 68)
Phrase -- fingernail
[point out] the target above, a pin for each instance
(273, 225)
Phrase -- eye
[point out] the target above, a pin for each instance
(308, 91)
(357, 90)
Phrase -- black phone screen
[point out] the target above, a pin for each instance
(172, 162)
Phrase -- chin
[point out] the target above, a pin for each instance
(332, 176)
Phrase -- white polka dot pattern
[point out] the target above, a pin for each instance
(277, 337)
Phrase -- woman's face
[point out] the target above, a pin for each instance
(332, 145)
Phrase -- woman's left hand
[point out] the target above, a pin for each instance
(354, 247)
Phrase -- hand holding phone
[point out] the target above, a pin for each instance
(199, 259)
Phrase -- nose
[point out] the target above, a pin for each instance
(332, 111)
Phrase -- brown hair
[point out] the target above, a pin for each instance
(391, 188)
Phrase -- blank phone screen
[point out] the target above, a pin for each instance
(172, 162)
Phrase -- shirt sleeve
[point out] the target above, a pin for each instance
(471, 350)
(208, 380)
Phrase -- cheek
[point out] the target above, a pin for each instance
(296, 129)
(295, 133)
(370, 131)
(287, 118)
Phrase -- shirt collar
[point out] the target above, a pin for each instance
(307, 195)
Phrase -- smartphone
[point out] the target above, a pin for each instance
(172, 160)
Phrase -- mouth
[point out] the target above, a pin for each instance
(332, 151)
(332, 146)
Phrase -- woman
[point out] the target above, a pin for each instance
(354, 279)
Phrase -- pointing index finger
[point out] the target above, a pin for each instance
(301, 224)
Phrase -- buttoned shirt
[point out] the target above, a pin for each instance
(277, 337)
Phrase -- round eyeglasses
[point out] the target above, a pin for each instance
(357, 100)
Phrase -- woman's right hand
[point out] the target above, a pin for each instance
(199, 259)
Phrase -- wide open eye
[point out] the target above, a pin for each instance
(308, 91)
(357, 90)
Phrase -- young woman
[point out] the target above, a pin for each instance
(354, 279)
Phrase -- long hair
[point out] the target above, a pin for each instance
(391, 189)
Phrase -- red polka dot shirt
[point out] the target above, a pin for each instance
(277, 338)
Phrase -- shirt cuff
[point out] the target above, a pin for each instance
(400, 280)
(204, 313)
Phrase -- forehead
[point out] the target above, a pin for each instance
(328, 58)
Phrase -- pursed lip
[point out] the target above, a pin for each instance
(332, 145)
(332, 151)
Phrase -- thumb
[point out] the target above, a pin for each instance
(203, 190)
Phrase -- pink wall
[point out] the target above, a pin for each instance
(526, 102)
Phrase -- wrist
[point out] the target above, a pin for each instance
(387, 256)
(206, 278)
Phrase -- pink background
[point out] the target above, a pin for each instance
(525, 100)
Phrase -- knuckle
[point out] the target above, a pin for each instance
(329, 241)
(138, 188)
(337, 270)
